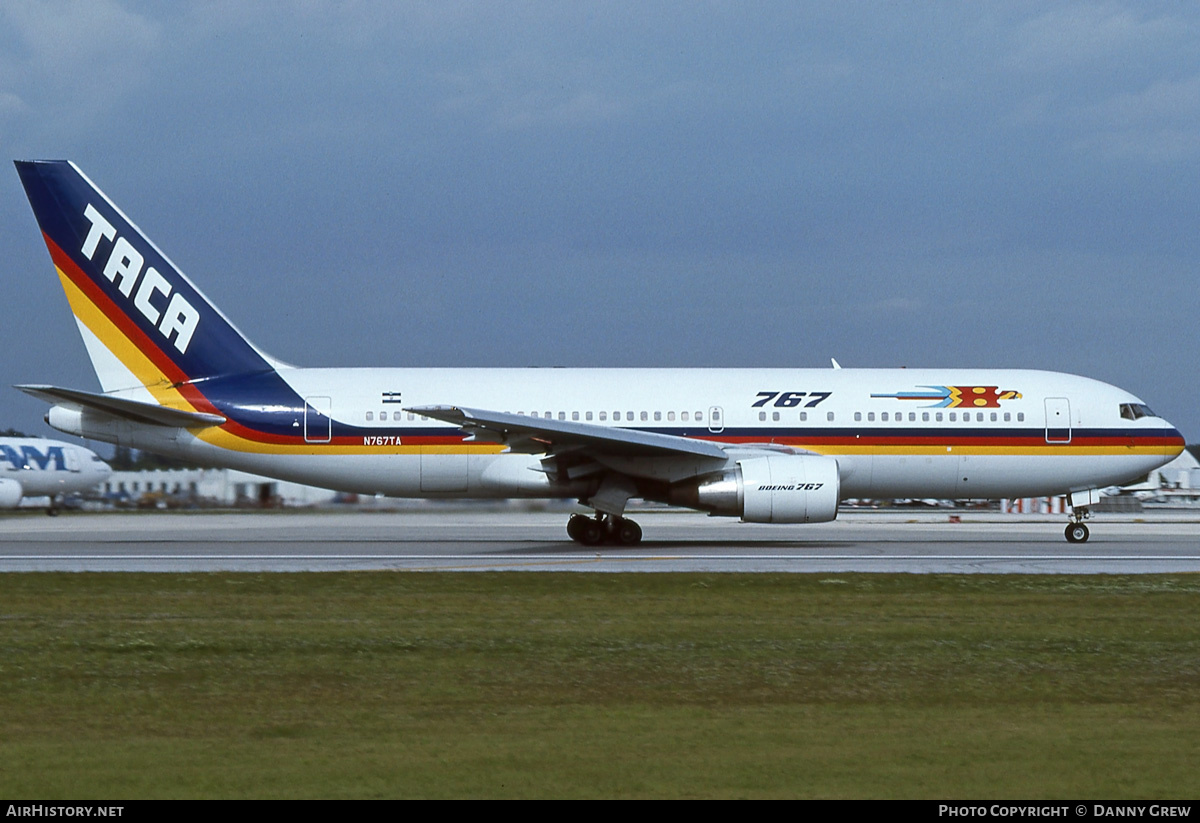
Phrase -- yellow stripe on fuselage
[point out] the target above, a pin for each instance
(163, 391)
(1014, 451)
(223, 439)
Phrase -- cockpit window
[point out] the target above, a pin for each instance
(1134, 411)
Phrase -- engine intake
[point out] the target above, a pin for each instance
(11, 493)
(777, 488)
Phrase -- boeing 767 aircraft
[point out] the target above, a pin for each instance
(764, 445)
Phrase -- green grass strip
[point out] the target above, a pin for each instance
(598, 685)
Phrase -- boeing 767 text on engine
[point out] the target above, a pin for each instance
(764, 445)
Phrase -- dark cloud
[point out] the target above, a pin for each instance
(991, 184)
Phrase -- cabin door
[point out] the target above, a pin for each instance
(318, 426)
(716, 419)
(1058, 420)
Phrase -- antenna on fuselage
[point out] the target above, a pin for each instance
(835, 363)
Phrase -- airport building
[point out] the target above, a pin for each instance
(190, 488)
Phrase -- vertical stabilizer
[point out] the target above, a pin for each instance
(143, 322)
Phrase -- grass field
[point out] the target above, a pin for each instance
(607, 685)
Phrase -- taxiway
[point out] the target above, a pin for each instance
(456, 540)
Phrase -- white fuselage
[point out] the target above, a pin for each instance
(893, 432)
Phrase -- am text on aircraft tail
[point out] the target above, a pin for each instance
(143, 321)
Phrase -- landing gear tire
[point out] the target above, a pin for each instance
(575, 527)
(1077, 533)
(591, 532)
(626, 532)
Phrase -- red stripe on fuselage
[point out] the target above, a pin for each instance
(943, 437)
(190, 392)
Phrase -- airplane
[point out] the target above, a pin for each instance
(764, 445)
(36, 467)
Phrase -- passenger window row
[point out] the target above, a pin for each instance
(938, 417)
(618, 416)
(588, 417)
(1129, 411)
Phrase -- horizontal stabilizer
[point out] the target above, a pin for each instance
(124, 408)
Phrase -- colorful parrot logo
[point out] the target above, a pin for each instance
(952, 397)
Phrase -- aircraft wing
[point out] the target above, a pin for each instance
(122, 407)
(542, 435)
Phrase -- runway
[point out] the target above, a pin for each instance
(490, 540)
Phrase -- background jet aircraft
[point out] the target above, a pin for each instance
(35, 467)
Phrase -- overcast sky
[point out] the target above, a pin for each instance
(631, 184)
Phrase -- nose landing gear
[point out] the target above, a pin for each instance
(1077, 532)
(603, 528)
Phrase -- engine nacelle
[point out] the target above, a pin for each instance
(776, 488)
(65, 420)
(10, 493)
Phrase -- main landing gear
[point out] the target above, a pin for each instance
(603, 528)
(1077, 532)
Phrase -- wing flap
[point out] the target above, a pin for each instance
(543, 435)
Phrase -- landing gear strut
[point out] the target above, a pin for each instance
(1077, 532)
(603, 528)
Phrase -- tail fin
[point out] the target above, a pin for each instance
(142, 320)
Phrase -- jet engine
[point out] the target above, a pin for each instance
(10, 493)
(776, 488)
